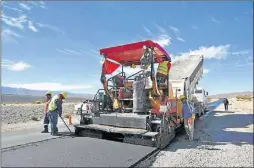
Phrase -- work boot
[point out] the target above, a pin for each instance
(46, 130)
(55, 132)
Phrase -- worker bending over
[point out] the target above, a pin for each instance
(188, 114)
(46, 119)
(162, 71)
(55, 109)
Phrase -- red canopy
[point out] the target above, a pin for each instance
(131, 53)
(109, 67)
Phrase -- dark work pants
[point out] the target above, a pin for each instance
(161, 78)
(226, 107)
(46, 120)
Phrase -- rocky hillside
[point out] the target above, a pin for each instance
(232, 95)
(22, 113)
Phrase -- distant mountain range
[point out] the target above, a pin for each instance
(21, 91)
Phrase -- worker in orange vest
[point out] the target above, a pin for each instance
(162, 71)
(46, 119)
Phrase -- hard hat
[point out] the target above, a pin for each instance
(102, 61)
(182, 97)
(64, 94)
(49, 93)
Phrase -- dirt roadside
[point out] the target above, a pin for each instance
(222, 139)
(17, 117)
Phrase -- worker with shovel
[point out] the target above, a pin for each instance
(46, 119)
(55, 109)
(188, 113)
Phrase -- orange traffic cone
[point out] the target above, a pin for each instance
(70, 121)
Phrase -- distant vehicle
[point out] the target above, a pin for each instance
(202, 101)
(84, 107)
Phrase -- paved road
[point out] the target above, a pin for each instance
(69, 152)
(75, 152)
(32, 135)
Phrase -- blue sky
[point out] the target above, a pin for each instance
(54, 45)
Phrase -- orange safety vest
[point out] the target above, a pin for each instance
(47, 105)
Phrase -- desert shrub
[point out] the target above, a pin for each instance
(209, 99)
(66, 115)
(34, 118)
(36, 102)
(244, 98)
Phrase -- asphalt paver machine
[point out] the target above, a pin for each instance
(133, 108)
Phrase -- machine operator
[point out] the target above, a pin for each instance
(162, 71)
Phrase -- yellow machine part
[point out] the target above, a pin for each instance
(170, 91)
(179, 109)
(115, 104)
(156, 103)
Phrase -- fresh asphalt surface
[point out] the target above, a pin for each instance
(70, 152)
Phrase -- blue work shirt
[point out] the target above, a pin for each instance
(188, 109)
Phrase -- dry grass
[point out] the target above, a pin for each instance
(209, 99)
(244, 98)
(38, 102)
(35, 118)
(66, 115)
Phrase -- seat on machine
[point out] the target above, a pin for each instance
(125, 93)
(162, 86)
(128, 83)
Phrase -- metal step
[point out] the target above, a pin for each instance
(127, 99)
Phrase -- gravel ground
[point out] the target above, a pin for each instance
(222, 139)
(22, 113)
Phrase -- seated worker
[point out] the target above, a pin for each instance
(162, 71)
(118, 81)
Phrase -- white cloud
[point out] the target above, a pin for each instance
(147, 30)
(68, 52)
(161, 29)
(54, 28)
(38, 4)
(240, 52)
(180, 39)
(15, 22)
(174, 29)
(15, 66)
(31, 26)
(8, 32)
(215, 20)
(50, 86)
(205, 71)
(212, 52)
(9, 35)
(11, 8)
(176, 32)
(163, 40)
(24, 6)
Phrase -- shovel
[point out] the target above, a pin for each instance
(66, 125)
